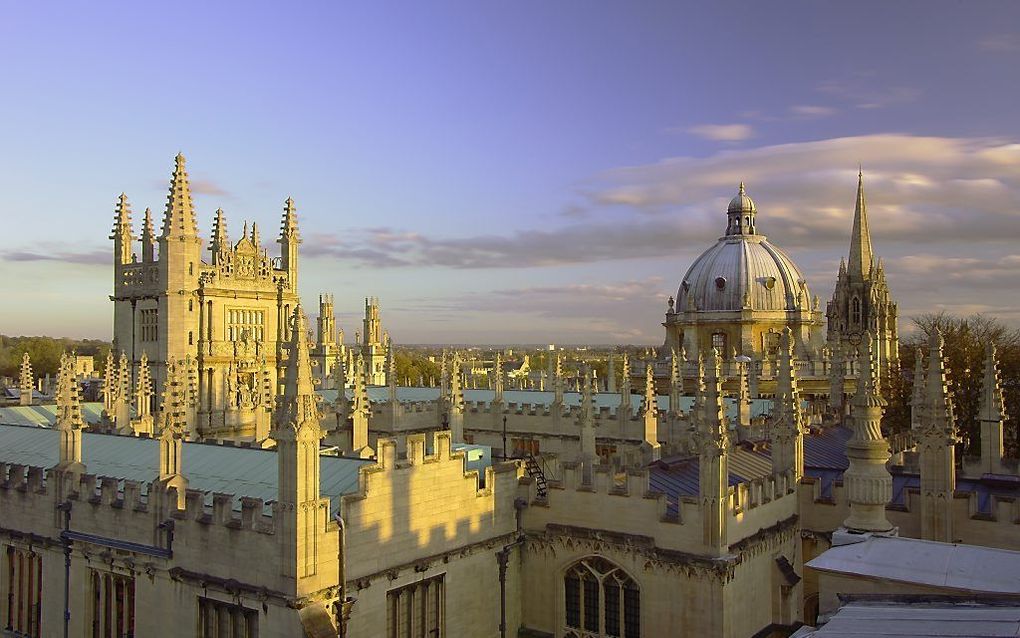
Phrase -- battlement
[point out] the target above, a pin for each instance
(759, 491)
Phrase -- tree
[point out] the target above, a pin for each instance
(966, 340)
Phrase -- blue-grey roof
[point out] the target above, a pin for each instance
(45, 415)
(537, 397)
(208, 467)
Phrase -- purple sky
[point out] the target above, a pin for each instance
(505, 172)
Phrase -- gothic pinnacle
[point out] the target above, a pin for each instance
(179, 218)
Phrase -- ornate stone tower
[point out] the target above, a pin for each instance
(861, 302)
(373, 346)
(867, 480)
(224, 319)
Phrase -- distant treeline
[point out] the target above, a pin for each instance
(45, 353)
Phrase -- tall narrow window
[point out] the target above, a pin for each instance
(855, 311)
(149, 324)
(218, 619)
(417, 610)
(601, 601)
(113, 605)
(24, 592)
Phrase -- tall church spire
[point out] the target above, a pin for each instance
(860, 242)
(179, 218)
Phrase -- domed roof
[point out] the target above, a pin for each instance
(741, 203)
(742, 270)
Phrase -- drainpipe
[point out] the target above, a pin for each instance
(503, 559)
(342, 606)
(65, 507)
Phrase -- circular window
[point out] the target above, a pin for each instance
(720, 282)
(770, 283)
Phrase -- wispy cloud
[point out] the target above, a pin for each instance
(922, 190)
(199, 186)
(1000, 42)
(866, 90)
(723, 132)
(55, 253)
(812, 110)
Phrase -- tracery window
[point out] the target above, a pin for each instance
(113, 605)
(855, 311)
(218, 619)
(417, 610)
(239, 320)
(24, 592)
(601, 601)
(149, 324)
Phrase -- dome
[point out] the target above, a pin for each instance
(741, 203)
(742, 269)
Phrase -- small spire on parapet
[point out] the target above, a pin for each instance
(676, 382)
(179, 217)
(586, 417)
(289, 223)
(297, 407)
(26, 380)
(122, 219)
(558, 380)
(70, 421)
(938, 406)
(917, 391)
(256, 241)
(220, 238)
(991, 406)
(391, 372)
(148, 238)
(625, 405)
(497, 382)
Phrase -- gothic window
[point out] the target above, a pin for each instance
(218, 619)
(417, 610)
(24, 592)
(239, 321)
(149, 324)
(525, 446)
(113, 605)
(601, 601)
(855, 311)
(719, 342)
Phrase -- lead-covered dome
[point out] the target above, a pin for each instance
(742, 270)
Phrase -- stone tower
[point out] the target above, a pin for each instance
(861, 302)
(228, 315)
(373, 346)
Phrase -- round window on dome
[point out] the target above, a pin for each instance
(720, 282)
(769, 282)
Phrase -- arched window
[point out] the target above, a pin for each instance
(855, 311)
(601, 601)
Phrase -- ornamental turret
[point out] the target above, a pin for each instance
(991, 415)
(289, 241)
(867, 480)
(121, 234)
(148, 238)
(712, 441)
(788, 430)
(936, 438)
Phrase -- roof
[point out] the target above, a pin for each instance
(892, 618)
(679, 476)
(970, 568)
(208, 467)
(45, 415)
(739, 267)
(380, 394)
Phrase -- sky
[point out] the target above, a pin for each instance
(534, 171)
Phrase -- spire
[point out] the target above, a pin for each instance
(788, 432)
(148, 238)
(676, 383)
(587, 417)
(296, 409)
(143, 389)
(625, 405)
(391, 372)
(991, 415)
(861, 257)
(256, 241)
(360, 408)
(172, 427)
(121, 234)
(651, 449)
(712, 438)
(69, 417)
(558, 380)
(220, 243)
(26, 380)
(179, 218)
(936, 441)
(917, 392)
(289, 223)
(497, 382)
(109, 385)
